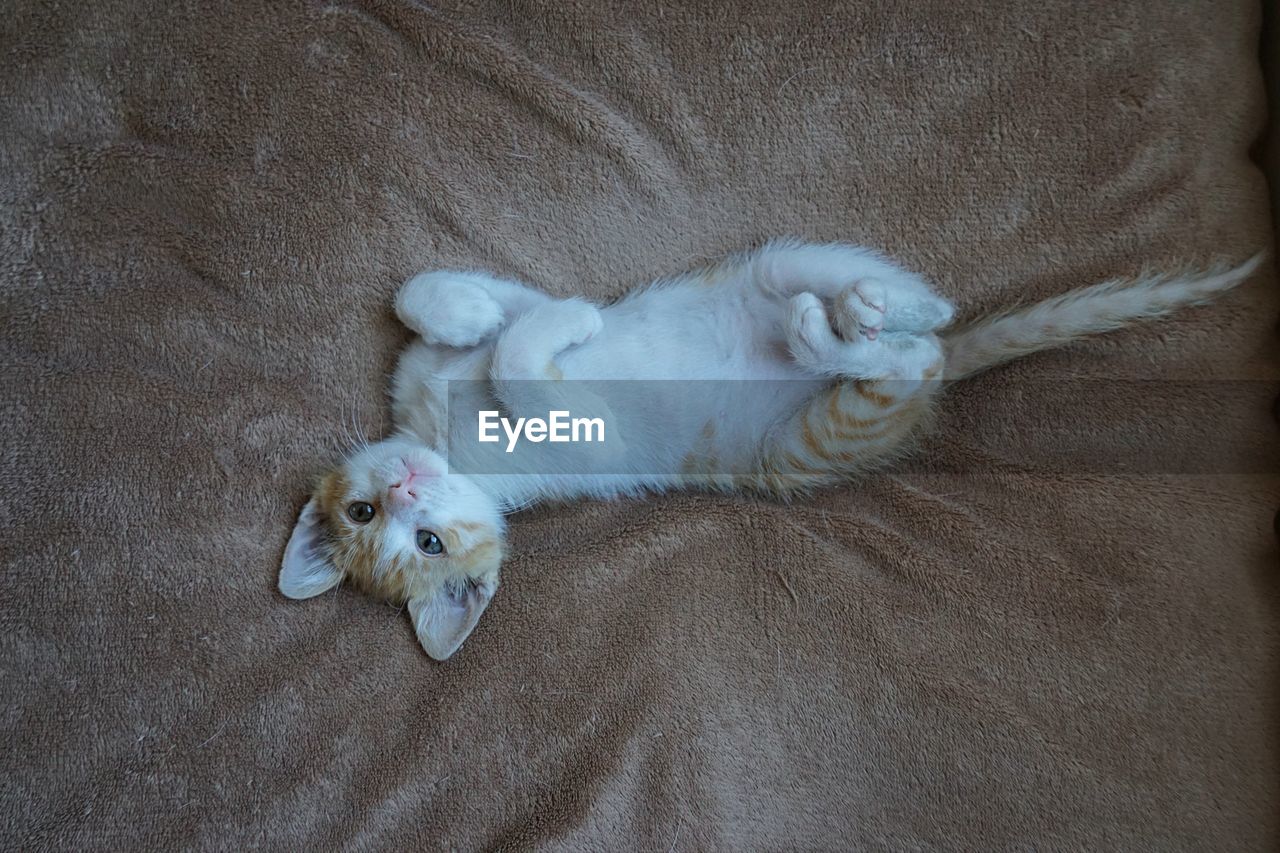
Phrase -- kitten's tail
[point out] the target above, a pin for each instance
(1103, 307)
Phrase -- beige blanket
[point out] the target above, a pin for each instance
(1018, 641)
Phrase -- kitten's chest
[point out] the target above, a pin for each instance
(689, 337)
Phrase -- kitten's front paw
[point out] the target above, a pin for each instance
(577, 322)
(448, 308)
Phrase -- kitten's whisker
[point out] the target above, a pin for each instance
(346, 432)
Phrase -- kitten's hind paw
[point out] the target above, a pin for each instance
(911, 357)
(819, 350)
(908, 305)
(448, 308)
(813, 343)
(808, 328)
(860, 310)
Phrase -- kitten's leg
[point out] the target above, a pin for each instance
(855, 278)
(528, 347)
(847, 429)
(817, 348)
(528, 382)
(460, 309)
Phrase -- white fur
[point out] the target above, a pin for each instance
(770, 315)
(799, 315)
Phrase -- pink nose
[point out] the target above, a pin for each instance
(404, 492)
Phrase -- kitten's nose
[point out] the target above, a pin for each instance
(403, 493)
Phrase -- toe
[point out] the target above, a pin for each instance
(860, 311)
(808, 319)
(871, 293)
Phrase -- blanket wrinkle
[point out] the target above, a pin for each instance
(502, 67)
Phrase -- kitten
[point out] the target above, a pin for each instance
(843, 347)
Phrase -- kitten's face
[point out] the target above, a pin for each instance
(393, 523)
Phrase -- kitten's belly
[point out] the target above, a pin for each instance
(690, 337)
(691, 388)
(702, 385)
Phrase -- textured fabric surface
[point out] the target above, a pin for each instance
(205, 210)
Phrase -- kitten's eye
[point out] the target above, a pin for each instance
(360, 512)
(429, 543)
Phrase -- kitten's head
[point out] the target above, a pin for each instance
(393, 523)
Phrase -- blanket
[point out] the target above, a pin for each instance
(1056, 627)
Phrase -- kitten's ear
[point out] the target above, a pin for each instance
(446, 618)
(306, 569)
